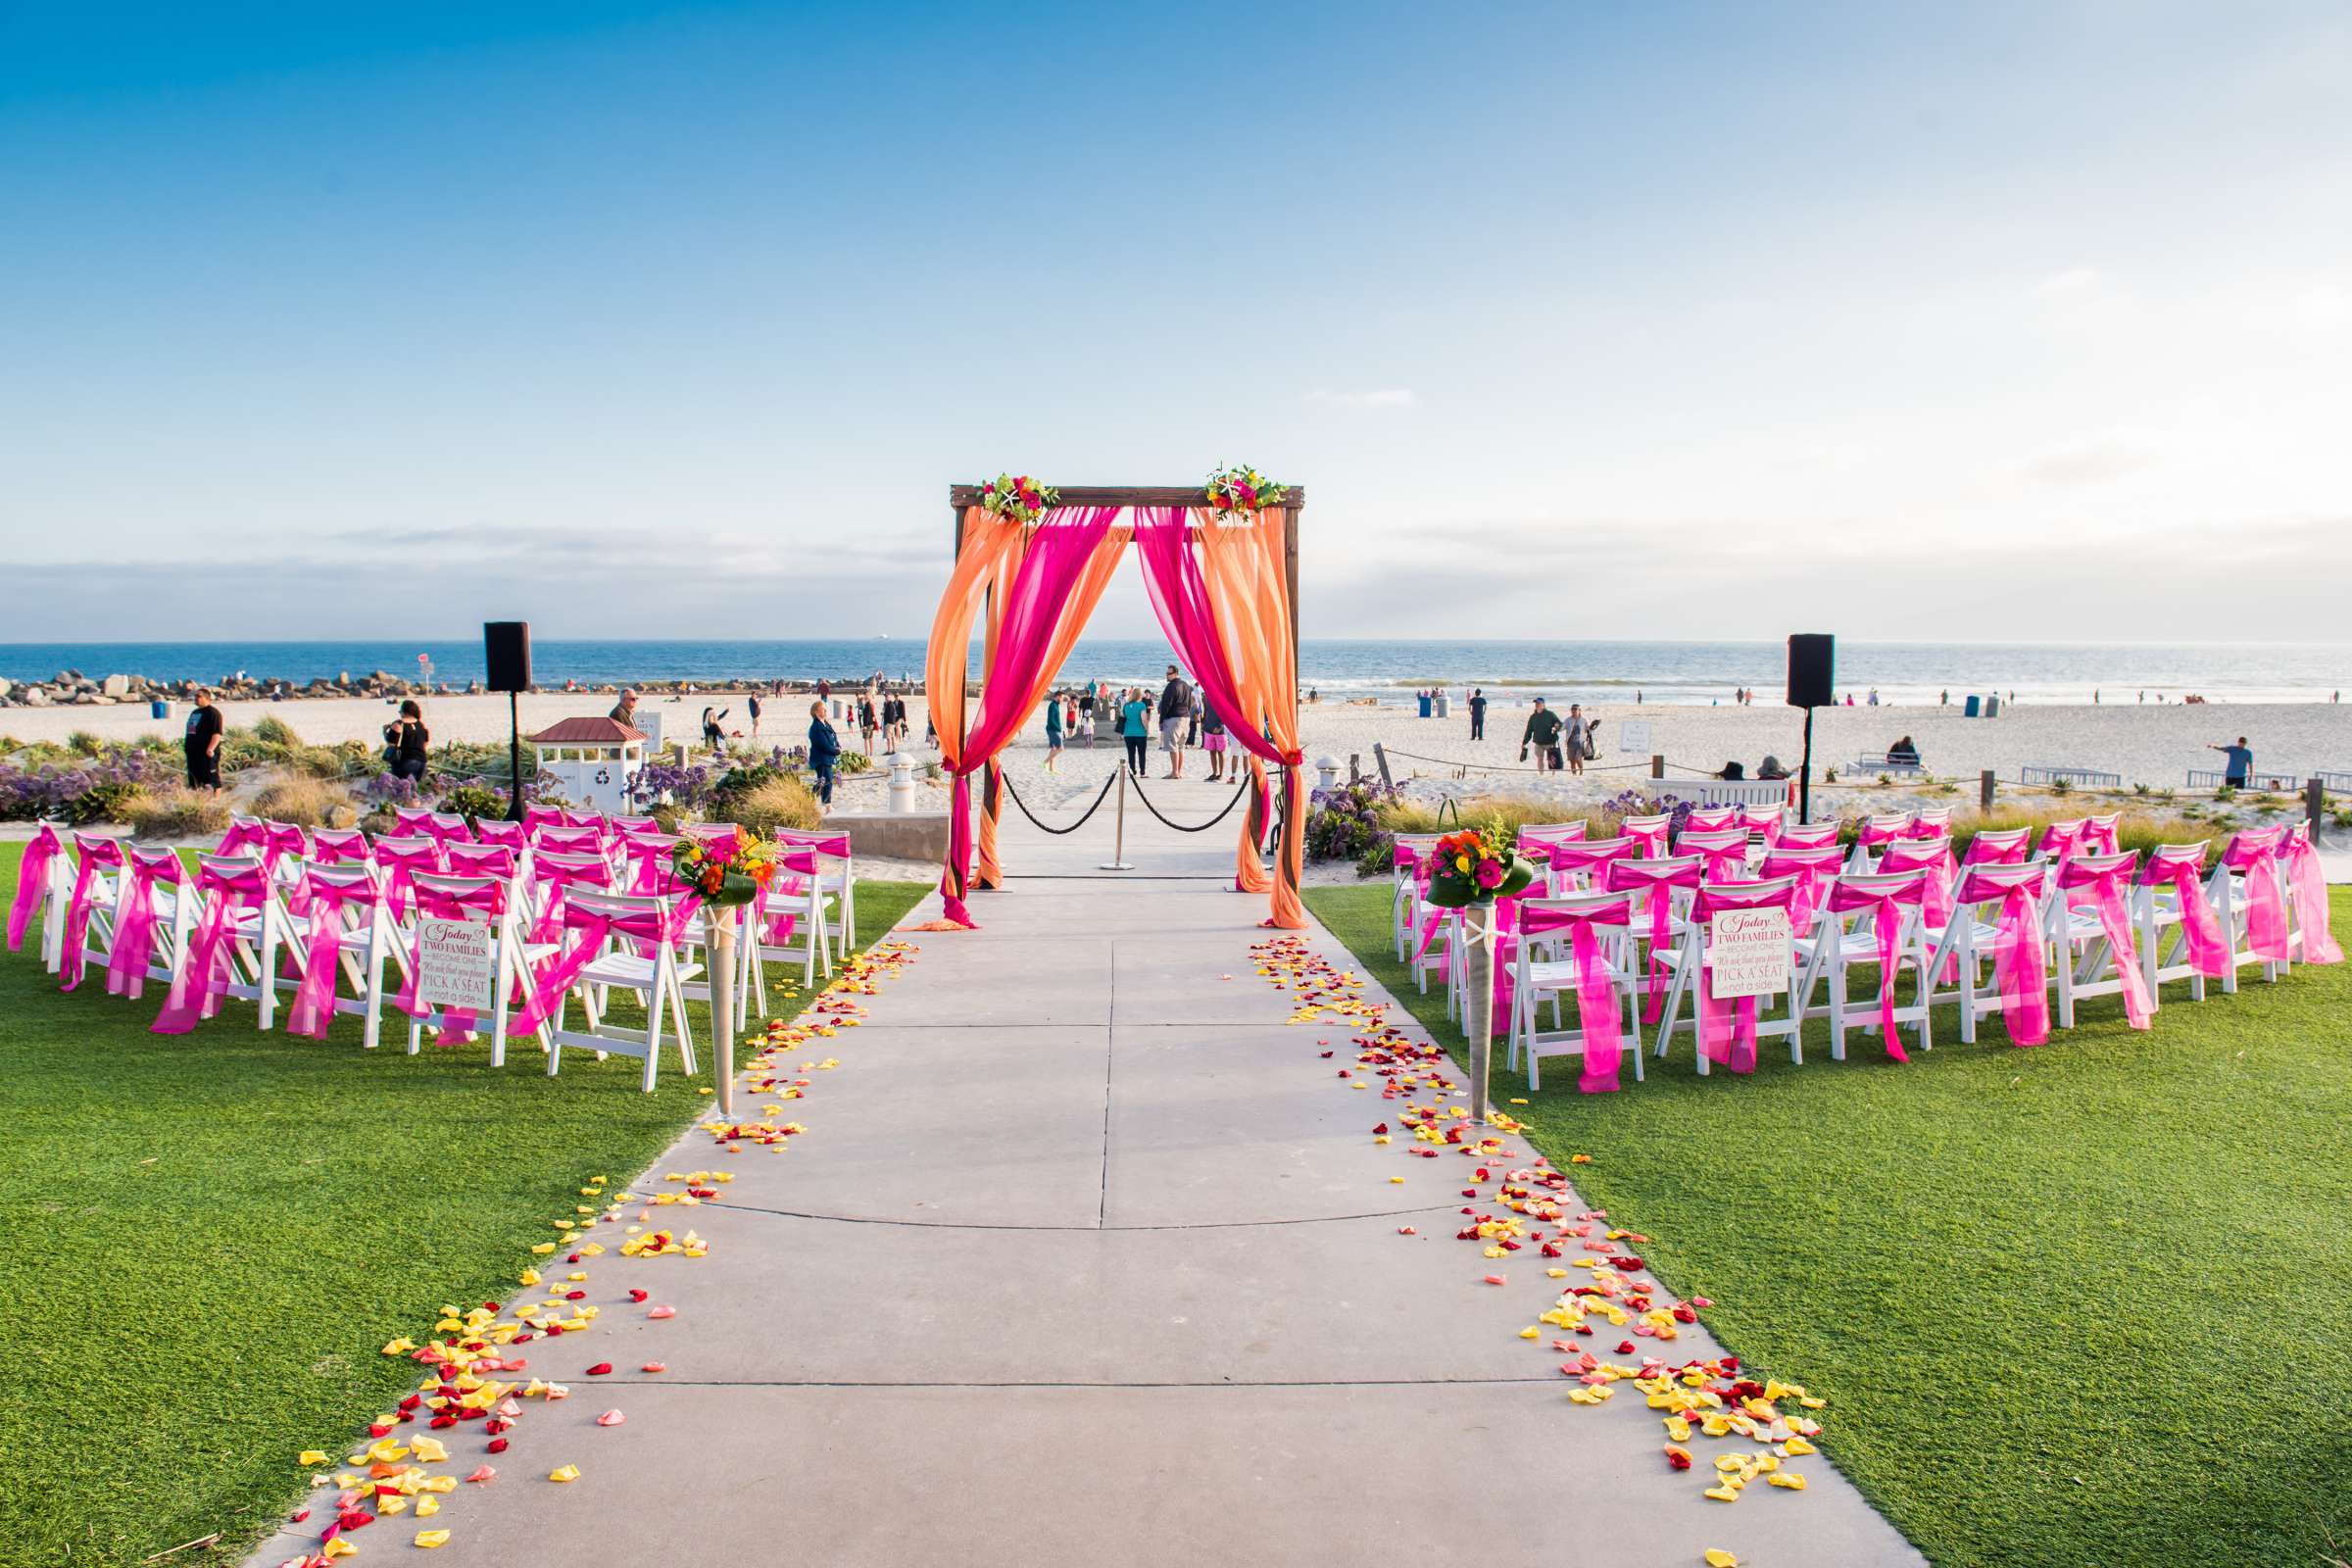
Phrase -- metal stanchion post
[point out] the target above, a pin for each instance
(1118, 843)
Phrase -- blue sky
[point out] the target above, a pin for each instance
(1608, 320)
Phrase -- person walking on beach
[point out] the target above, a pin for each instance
(751, 705)
(1133, 728)
(1053, 731)
(1579, 738)
(203, 743)
(1175, 708)
(2238, 763)
(1543, 732)
(1213, 741)
(405, 740)
(825, 749)
(1478, 713)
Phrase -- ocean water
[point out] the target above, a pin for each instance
(1388, 669)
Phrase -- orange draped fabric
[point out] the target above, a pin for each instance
(1240, 562)
(981, 563)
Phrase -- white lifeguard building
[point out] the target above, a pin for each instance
(590, 759)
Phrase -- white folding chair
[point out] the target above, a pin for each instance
(99, 881)
(345, 926)
(837, 875)
(1989, 902)
(632, 948)
(1867, 920)
(2091, 962)
(441, 898)
(1404, 889)
(1609, 917)
(1687, 962)
(2170, 905)
(792, 913)
(151, 922)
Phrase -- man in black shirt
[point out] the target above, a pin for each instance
(203, 743)
(1478, 714)
(1175, 709)
(1543, 733)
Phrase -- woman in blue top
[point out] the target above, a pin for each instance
(1135, 720)
(823, 747)
(1053, 731)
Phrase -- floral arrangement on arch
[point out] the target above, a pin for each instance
(1017, 497)
(725, 872)
(1239, 491)
(1476, 866)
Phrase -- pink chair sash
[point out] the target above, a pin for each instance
(2307, 881)
(1931, 824)
(568, 840)
(646, 865)
(774, 926)
(448, 827)
(1878, 831)
(282, 839)
(94, 856)
(2098, 882)
(1722, 852)
(1535, 843)
(480, 860)
(1652, 883)
(1814, 868)
(1770, 820)
(535, 818)
(488, 902)
(1711, 818)
(1573, 858)
(32, 881)
(1651, 836)
(341, 846)
(2001, 847)
(412, 822)
(2063, 841)
(573, 818)
(589, 928)
(2184, 866)
(203, 978)
(2100, 834)
(1886, 906)
(1934, 857)
(557, 881)
(314, 1006)
(1595, 996)
(501, 831)
(2254, 854)
(2019, 966)
(401, 861)
(1727, 1029)
(1808, 835)
(244, 838)
(133, 949)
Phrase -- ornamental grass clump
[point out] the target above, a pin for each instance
(171, 811)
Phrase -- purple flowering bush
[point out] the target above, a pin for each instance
(99, 789)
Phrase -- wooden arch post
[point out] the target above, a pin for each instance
(962, 497)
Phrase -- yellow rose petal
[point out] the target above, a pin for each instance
(1717, 1557)
(312, 1456)
(429, 1538)
(564, 1472)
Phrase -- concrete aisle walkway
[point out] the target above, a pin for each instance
(1085, 1260)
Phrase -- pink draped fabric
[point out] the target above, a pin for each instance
(1056, 556)
(412, 822)
(1573, 858)
(1180, 596)
(1876, 832)
(1726, 1028)
(33, 882)
(2307, 881)
(481, 860)
(1535, 843)
(1711, 818)
(282, 839)
(226, 891)
(341, 846)
(645, 865)
(501, 831)
(1595, 995)
(402, 859)
(836, 845)
(132, 951)
(1934, 857)
(2254, 855)
(2097, 882)
(2001, 847)
(2100, 834)
(245, 836)
(534, 817)
(449, 827)
(1653, 884)
(588, 929)
(1885, 905)
(95, 856)
(2063, 841)
(1650, 832)
(2019, 964)
(325, 899)
(571, 840)
(2182, 865)
(1808, 835)
(775, 909)
(486, 902)
(1928, 826)
(573, 818)
(1769, 820)
(1723, 853)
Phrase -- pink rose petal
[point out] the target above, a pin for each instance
(662, 1311)
(485, 1473)
(610, 1418)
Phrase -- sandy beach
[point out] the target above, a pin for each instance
(2148, 744)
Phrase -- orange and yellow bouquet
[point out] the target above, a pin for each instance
(1476, 866)
(725, 872)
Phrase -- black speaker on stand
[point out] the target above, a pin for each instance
(1812, 680)
(507, 652)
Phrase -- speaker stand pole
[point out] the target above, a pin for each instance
(514, 755)
(1804, 775)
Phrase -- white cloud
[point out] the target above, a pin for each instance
(2093, 461)
(2074, 281)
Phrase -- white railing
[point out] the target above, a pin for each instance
(2088, 776)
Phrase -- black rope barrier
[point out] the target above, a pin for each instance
(1179, 826)
(1074, 826)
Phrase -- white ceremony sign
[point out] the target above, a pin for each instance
(453, 964)
(1633, 737)
(1748, 953)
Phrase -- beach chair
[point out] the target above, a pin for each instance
(449, 827)
(565, 840)
(402, 862)
(2180, 936)
(1725, 1032)
(1999, 914)
(474, 900)
(2091, 933)
(615, 941)
(98, 882)
(345, 935)
(1595, 929)
(552, 878)
(1868, 919)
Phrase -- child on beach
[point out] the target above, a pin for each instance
(1213, 741)
(1052, 732)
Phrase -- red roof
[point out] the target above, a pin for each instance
(586, 732)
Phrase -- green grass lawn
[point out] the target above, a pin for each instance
(209, 1239)
(2085, 1306)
